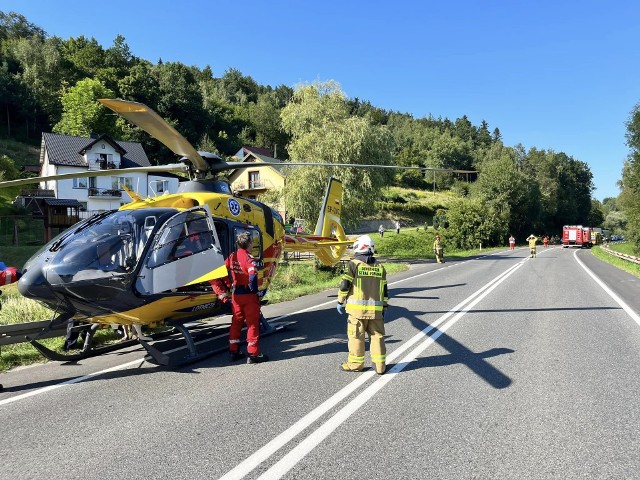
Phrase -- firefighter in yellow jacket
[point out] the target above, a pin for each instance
(438, 250)
(363, 292)
(532, 239)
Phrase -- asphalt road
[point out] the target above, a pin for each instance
(499, 367)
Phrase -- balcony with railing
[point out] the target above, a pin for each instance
(103, 165)
(254, 185)
(104, 193)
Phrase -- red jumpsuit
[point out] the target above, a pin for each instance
(222, 288)
(245, 304)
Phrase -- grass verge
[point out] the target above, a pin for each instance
(622, 264)
(298, 278)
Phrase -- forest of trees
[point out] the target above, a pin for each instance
(51, 84)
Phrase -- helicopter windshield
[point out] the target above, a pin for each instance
(110, 247)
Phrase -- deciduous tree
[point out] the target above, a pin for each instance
(322, 130)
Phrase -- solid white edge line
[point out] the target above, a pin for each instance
(615, 297)
(286, 463)
(262, 454)
(68, 382)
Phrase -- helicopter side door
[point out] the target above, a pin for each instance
(185, 250)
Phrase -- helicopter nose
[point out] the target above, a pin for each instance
(33, 284)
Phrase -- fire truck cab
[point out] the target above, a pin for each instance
(576, 236)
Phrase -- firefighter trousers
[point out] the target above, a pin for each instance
(356, 330)
(245, 309)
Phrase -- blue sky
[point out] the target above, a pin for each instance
(549, 74)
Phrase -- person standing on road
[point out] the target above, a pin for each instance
(545, 241)
(245, 303)
(438, 249)
(363, 293)
(512, 242)
(532, 239)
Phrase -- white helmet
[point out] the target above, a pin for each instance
(363, 245)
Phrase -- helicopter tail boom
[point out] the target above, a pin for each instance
(329, 241)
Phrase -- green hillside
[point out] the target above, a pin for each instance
(22, 154)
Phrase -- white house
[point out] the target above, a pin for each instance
(66, 154)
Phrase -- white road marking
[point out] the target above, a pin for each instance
(68, 382)
(299, 452)
(617, 299)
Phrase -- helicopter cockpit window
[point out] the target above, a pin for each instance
(256, 251)
(105, 249)
(184, 235)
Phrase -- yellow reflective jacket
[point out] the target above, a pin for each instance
(364, 289)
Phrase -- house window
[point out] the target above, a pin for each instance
(160, 186)
(254, 180)
(117, 182)
(93, 182)
(79, 183)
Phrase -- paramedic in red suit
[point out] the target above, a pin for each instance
(245, 304)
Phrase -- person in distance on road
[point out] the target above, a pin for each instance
(438, 249)
(363, 292)
(532, 239)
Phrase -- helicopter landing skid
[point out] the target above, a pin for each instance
(85, 353)
(193, 355)
(87, 350)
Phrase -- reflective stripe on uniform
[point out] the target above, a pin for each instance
(371, 302)
(355, 359)
(378, 358)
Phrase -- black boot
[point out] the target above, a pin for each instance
(257, 358)
(235, 356)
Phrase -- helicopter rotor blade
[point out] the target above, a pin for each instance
(96, 173)
(152, 123)
(242, 165)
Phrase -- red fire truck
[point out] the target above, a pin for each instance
(576, 236)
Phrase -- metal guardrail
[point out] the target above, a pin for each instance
(18, 332)
(623, 256)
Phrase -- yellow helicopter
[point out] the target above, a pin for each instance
(155, 261)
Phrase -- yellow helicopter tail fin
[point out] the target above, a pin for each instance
(329, 225)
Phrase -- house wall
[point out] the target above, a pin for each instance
(268, 176)
(153, 181)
